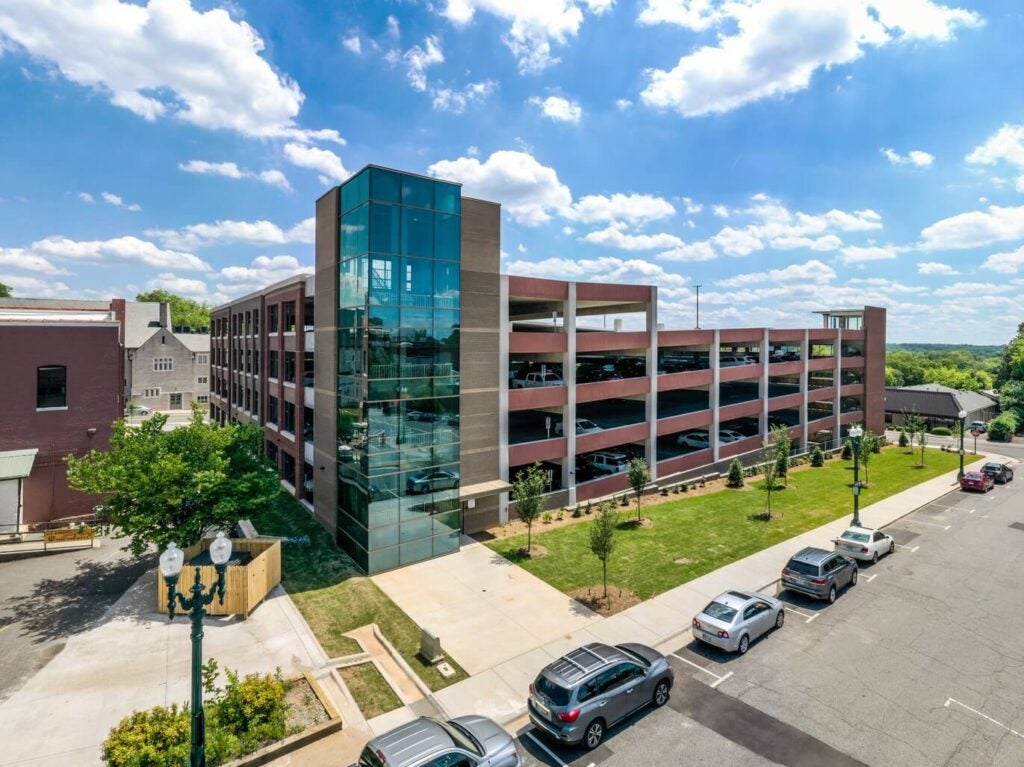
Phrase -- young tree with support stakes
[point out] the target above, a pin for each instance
(868, 443)
(602, 538)
(783, 447)
(527, 489)
(639, 476)
(770, 461)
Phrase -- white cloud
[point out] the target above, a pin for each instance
(559, 109)
(163, 58)
(86, 198)
(231, 170)
(394, 30)
(568, 230)
(604, 269)
(418, 59)
(263, 271)
(634, 208)
(184, 286)
(623, 104)
(693, 251)
(826, 242)
(120, 250)
(113, 199)
(973, 289)
(858, 254)
(326, 162)
(352, 44)
(535, 24)
(1005, 263)
(975, 229)
(692, 207)
(1005, 145)
(778, 46)
(456, 100)
(527, 190)
(721, 211)
(737, 242)
(33, 286)
(812, 272)
(615, 236)
(935, 267)
(20, 258)
(260, 232)
(914, 157)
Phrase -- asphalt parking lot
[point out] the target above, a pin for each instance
(920, 663)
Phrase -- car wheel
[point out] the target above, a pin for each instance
(594, 734)
(780, 619)
(744, 645)
(853, 576)
(661, 693)
(832, 595)
(874, 558)
(892, 547)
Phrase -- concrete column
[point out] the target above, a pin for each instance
(716, 417)
(805, 355)
(652, 393)
(504, 328)
(837, 376)
(569, 378)
(764, 386)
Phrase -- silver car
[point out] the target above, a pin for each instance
(733, 620)
(432, 480)
(466, 741)
(578, 697)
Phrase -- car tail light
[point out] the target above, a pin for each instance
(569, 716)
(531, 690)
(723, 634)
(818, 581)
(696, 623)
(863, 549)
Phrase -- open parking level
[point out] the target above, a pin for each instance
(918, 664)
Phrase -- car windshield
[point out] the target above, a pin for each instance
(584, 424)
(635, 656)
(720, 612)
(802, 567)
(553, 692)
(463, 738)
(991, 467)
(370, 759)
(850, 535)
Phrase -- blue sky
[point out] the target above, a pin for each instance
(786, 155)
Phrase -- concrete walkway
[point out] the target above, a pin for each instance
(136, 659)
(499, 684)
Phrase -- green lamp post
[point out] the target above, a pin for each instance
(171, 562)
(855, 434)
(962, 415)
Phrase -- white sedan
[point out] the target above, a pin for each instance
(864, 544)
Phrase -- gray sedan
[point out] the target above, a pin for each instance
(733, 620)
(466, 741)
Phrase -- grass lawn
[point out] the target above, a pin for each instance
(693, 536)
(334, 598)
(371, 692)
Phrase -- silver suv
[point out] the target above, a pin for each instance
(467, 741)
(819, 573)
(576, 698)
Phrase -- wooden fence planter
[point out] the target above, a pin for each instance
(245, 585)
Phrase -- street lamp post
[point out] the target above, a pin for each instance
(171, 562)
(962, 415)
(855, 434)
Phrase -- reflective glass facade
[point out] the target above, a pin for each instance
(398, 368)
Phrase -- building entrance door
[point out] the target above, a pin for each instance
(176, 401)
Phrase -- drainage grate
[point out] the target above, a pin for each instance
(1017, 525)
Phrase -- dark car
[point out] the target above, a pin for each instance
(1000, 472)
(819, 573)
(977, 481)
(577, 697)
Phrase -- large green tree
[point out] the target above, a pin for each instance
(160, 486)
(5, 292)
(184, 311)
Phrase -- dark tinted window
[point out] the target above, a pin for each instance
(802, 567)
(369, 759)
(51, 386)
(553, 692)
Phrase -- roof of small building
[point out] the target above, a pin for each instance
(936, 400)
(16, 464)
(141, 321)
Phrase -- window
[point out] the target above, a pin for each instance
(175, 403)
(202, 399)
(288, 468)
(163, 363)
(51, 387)
(202, 359)
(202, 379)
(289, 417)
(272, 315)
(288, 314)
(150, 392)
(272, 366)
(272, 452)
(289, 367)
(272, 410)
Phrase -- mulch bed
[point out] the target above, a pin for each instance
(592, 597)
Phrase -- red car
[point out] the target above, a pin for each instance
(976, 480)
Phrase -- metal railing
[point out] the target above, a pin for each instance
(58, 534)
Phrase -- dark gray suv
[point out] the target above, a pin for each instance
(819, 573)
(576, 698)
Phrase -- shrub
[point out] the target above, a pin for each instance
(252, 709)
(590, 508)
(1002, 427)
(546, 518)
(904, 439)
(560, 515)
(942, 431)
(817, 456)
(735, 473)
(847, 453)
(577, 512)
(158, 737)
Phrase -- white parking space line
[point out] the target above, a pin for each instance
(809, 616)
(929, 524)
(701, 668)
(720, 680)
(545, 749)
(911, 549)
(871, 577)
(983, 716)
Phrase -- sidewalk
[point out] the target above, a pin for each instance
(499, 691)
(137, 658)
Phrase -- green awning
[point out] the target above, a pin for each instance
(16, 464)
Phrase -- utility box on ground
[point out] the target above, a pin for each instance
(430, 647)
